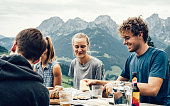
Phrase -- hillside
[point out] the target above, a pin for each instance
(1, 36)
(3, 50)
(6, 42)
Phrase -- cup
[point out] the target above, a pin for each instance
(65, 97)
(97, 91)
(122, 93)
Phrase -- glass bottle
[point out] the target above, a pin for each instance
(136, 91)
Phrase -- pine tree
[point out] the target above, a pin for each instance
(149, 42)
(65, 69)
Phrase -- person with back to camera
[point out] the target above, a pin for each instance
(84, 65)
(151, 64)
(48, 68)
(19, 84)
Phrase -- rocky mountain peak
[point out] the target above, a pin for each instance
(158, 28)
(102, 18)
(105, 22)
(76, 22)
(154, 15)
(50, 25)
(1, 36)
(55, 26)
(73, 25)
(153, 21)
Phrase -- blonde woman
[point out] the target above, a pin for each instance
(84, 65)
(48, 68)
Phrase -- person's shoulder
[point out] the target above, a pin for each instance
(156, 51)
(37, 65)
(74, 61)
(56, 69)
(54, 62)
(57, 65)
(11, 57)
(5, 57)
(153, 49)
(96, 60)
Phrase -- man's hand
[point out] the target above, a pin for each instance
(108, 88)
(95, 82)
(90, 82)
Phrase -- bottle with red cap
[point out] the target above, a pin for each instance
(136, 91)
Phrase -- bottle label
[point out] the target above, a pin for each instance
(134, 80)
(136, 99)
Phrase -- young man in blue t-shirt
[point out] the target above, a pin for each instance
(150, 64)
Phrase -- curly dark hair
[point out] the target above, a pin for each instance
(136, 25)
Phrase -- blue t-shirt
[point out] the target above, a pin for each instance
(153, 63)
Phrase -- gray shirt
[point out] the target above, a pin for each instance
(93, 69)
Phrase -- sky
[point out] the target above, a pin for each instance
(16, 15)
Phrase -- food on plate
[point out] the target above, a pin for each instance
(80, 98)
(54, 102)
(49, 88)
(58, 87)
(54, 93)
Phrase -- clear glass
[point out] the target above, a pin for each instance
(122, 93)
(65, 96)
(97, 91)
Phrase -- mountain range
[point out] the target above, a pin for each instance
(1, 36)
(105, 42)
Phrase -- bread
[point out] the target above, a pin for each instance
(54, 102)
(50, 88)
(83, 86)
(66, 104)
(54, 93)
(58, 87)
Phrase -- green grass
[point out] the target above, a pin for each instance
(4, 53)
(66, 81)
(66, 85)
(116, 70)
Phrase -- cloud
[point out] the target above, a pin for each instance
(30, 13)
